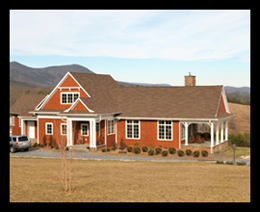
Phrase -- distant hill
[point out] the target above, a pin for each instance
(21, 75)
(230, 89)
(238, 95)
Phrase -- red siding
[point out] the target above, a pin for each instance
(148, 134)
(221, 108)
(16, 130)
(79, 106)
(55, 101)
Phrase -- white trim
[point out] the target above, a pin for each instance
(57, 87)
(84, 124)
(49, 123)
(113, 127)
(75, 103)
(36, 108)
(224, 97)
(158, 138)
(139, 130)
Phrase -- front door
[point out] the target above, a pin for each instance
(31, 129)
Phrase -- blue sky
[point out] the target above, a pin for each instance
(150, 46)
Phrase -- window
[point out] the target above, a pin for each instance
(63, 129)
(49, 128)
(69, 97)
(84, 129)
(110, 126)
(13, 120)
(132, 129)
(165, 130)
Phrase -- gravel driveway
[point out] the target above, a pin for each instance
(43, 153)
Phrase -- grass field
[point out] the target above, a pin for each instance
(37, 180)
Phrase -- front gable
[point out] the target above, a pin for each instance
(64, 94)
(79, 105)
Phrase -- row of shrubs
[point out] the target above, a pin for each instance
(242, 163)
(163, 152)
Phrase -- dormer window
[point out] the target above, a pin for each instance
(69, 97)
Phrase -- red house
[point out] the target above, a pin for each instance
(95, 109)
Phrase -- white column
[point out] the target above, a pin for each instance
(217, 134)
(221, 133)
(186, 124)
(226, 131)
(93, 133)
(105, 131)
(212, 136)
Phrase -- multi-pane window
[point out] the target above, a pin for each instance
(132, 129)
(49, 128)
(63, 129)
(84, 129)
(165, 130)
(69, 97)
(110, 127)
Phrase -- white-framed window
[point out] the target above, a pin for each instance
(63, 129)
(49, 128)
(133, 129)
(13, 120)
(110, 127)
(20, 122)
(84, 129)
(164, 130)
(69, 97)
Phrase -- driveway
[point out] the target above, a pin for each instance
(43, 153)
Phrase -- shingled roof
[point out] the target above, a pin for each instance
(145, 102)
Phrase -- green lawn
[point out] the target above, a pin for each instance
(240, 151)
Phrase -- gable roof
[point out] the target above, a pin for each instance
(106, 96)
(170, 102)
(25, 104)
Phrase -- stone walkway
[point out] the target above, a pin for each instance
(78, 154)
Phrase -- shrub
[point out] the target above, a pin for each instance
(34, 145)
(114, 145)
(129, 149)
(44, 139)
(122, 151)
(204, 153)
(104, 150)
(151, 152)
(196, 154)
(108, 149)
(242, 163)
(172, 150)
(229, 162)
(137, 150)
(56, 147)
(239, 139)
(144, 148)
(164, 153)
(180, 153)
(219, 162)
(188, 152)
(158, 150)
(122, 145)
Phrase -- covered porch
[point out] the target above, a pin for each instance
(207, 134)
(91, 132)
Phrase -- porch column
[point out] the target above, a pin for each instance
(221, 133)
(217, 133)
(93, 134)
(226, 131)
(186, 124)
(212, 136)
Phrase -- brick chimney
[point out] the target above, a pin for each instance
(190, 80)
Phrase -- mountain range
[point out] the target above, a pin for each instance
(24, 76)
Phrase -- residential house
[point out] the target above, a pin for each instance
(95, 109)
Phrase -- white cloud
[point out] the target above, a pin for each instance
(177, 35)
